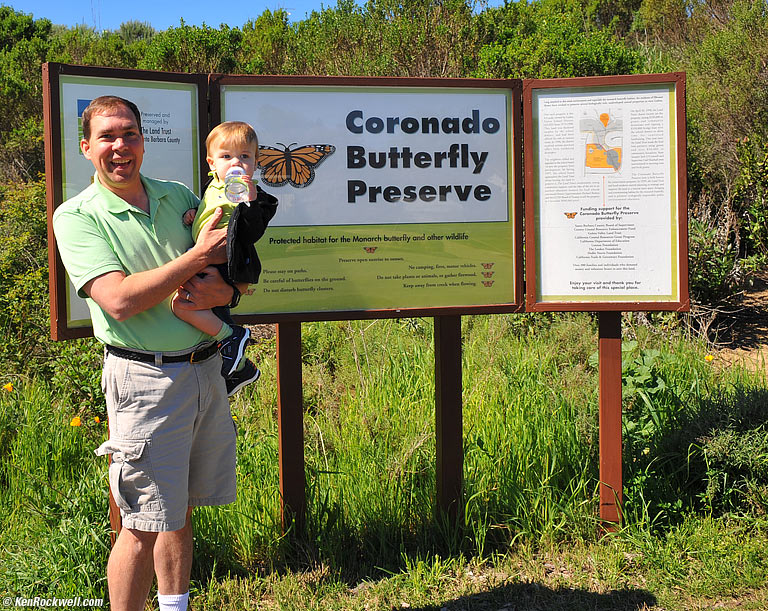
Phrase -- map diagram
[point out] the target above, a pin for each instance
(604, 139)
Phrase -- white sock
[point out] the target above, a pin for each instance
(173, 602)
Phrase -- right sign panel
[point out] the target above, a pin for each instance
(605, 193)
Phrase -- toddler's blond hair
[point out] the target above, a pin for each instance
(234, 132)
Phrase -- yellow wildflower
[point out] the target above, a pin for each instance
(75, 421)
(8, 387)
(709, 358)
(97, 419)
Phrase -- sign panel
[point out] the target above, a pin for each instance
(170, 116)
(396, 197)
(606, 228)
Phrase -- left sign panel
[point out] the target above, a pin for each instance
(171, 126)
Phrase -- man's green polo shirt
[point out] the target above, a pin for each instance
(98, 232)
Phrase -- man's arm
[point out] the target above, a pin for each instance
(123, 296)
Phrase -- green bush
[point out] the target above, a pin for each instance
(266, 43)
(549, 39)
(750, 197)
(737, 470)
(27, 350)
(23, 277)
(190, 48)
(716, 274)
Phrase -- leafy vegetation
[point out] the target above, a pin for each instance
(696, 445)
(695, 478)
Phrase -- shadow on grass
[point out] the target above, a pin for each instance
(535, 597)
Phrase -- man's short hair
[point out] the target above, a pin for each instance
(232, 131)
(106, 104)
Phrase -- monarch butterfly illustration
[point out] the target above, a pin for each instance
(570, 215)
(370, 249)
(293, 166)
(488, 283)
(488, 274)
(487, 265)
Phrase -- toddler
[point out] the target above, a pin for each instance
(232, 144)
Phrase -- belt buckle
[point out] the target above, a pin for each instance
(193, 355)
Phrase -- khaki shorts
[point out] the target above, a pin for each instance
(172, 440)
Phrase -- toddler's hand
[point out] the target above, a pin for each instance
(253, 192)
(189, 217)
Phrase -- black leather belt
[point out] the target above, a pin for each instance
(193, 356)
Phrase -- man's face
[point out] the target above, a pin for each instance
(116, 149)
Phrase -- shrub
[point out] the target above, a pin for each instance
(23, 276)
(190, 48)
(548, 39)
(27, 350)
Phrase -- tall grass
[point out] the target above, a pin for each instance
(530, 455)
(54, 500)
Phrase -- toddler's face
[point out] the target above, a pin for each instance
(224, 155)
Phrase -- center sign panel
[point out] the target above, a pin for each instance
(390, 197)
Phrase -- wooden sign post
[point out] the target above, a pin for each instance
(290, 426)
(448, 416)
(611, 484)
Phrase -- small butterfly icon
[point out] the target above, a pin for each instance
(487, 283)
(370, 249)
(487, 265)
(570, 215)
(292, 166)
(488, 274)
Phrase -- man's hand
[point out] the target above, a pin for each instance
(204, 291)
(211, 242)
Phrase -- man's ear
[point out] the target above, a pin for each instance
(86, 148)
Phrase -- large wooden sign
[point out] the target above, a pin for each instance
(605, 184)
(403, 197)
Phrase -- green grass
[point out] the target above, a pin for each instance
(528, 537)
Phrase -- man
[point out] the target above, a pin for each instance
(172, 439)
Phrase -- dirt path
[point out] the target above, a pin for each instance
(749, 335)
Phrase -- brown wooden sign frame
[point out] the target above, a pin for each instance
(217, 81)
(447, 336)
(532, 272)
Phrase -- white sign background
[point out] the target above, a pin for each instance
(616, 244)
(314, 115)
(169, 108)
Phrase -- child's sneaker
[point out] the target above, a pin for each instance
(235, 381)
(232, 349)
